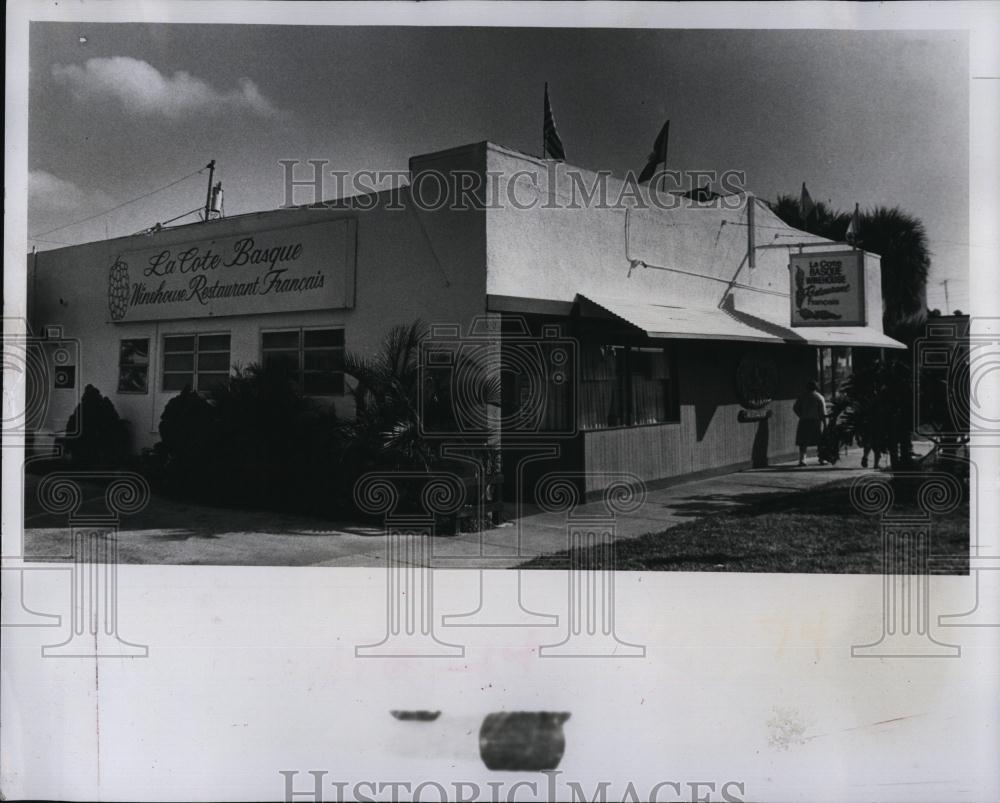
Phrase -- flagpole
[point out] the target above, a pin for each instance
(853, 226)
(666, 139)
(544, 110)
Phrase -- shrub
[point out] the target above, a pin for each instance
(186, 450)
(255, 442)
(102, 439)
(877, 411)
(258, 442)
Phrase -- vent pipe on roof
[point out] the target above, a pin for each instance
(216, 204)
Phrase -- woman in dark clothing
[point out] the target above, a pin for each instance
(810, 407)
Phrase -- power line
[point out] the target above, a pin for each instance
(115, 208)
(54, 242)
(159, 226)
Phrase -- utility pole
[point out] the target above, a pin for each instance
(208, 195)
(947, 306)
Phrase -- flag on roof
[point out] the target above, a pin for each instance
(658, 156)
(552, 146)
(806, 205)
(854, 227)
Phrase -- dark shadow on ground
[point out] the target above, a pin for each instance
(710, 504)
(799, 469)
(815, 530)
(182, 520)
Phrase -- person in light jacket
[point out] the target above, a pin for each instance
(810, 407)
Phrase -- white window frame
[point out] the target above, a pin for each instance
(301, 349)
(194, 355)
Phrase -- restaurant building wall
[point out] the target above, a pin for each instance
(684, 285)
(710, 436)
(408, 265)
(685, 269)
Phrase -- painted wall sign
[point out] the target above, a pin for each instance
(291, 269)
(756, 378)
(828, 288)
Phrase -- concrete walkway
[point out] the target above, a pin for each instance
(171, 532)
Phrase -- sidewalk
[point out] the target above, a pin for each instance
(171, 532)
(545, 533)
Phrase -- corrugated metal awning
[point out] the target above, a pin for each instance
(666, 321)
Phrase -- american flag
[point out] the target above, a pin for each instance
(552, 146)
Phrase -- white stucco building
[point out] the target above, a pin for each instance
(682, 355)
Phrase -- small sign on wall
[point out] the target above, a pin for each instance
(828, 288)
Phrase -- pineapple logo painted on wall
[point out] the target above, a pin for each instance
(756, 379)
(292, 269)
(118, 287)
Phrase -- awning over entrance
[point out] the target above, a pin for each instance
(852, 336)
(726, 323)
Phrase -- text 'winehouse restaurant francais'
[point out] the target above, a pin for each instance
(662, 342)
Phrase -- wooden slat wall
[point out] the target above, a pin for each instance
(708, 435)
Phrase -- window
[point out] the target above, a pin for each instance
(133, 366)
(536, 379)
(314, 357)
(201, 361)
(626, 386)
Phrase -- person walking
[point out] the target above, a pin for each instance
(810, 407)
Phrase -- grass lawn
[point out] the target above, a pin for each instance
(812, 531)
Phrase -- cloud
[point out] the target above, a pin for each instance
(49, 193)
(141, 88)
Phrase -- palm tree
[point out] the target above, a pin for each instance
(405, 411)
(821, 220)
(384, 432)
(901, 240)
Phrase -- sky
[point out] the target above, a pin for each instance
(119, 110)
